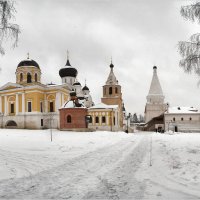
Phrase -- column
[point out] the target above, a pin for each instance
(107, 119)
(45, 103)
(62, 99)
(17, 104)
(57, 101)
(23, 103)
(116, 119)
(5, 105)
(0, 104)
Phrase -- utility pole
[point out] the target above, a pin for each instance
(150, 154)
(50, 123)
(128, 117)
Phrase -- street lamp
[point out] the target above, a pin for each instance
(128, 117)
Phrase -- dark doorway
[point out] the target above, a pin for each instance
(176, 129)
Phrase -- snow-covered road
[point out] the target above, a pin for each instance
(105, 173)
(99, 166)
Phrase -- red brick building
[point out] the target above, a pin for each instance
(73, 118)
(73, 114)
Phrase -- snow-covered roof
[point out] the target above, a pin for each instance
(182, 110)
(103, 106)
(71, 104)
(10, 84)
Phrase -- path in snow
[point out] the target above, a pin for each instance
(105, 173)
(99, 166)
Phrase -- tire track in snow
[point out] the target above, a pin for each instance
(75, 178)
(120, 182)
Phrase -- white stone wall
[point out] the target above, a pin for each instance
(32, 120)
(185, 125)
(154, 110)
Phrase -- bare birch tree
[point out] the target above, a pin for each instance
(190, 50)
(8, 30)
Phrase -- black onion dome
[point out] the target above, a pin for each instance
(68, 71)
(85, 88)
(76, 83)
(154, 67)
(28, 62)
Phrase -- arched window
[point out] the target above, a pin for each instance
(29, 78)
(35, 77)
(97, 119)
(174, 119)
(104, 91)
(69, 119)
(12, 108)
(21, 77)
(51, 106)
(11, 123)
(110, 90)
(116, 90)
(103, 119)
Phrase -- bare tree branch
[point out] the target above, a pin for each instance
(191, 12)
(190, 50)
(191, 63)
(7, 29)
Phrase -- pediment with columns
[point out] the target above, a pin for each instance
(9, 86)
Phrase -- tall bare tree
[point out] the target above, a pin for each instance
(8, 30)
(190, 50)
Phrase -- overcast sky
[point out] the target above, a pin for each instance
(138, 34)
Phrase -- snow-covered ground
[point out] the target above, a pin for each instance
(98, 165)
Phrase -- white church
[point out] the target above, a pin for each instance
(159, 116)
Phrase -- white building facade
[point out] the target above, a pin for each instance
(182, 119)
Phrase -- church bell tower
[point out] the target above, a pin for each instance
(155, 105)
(112, 94)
